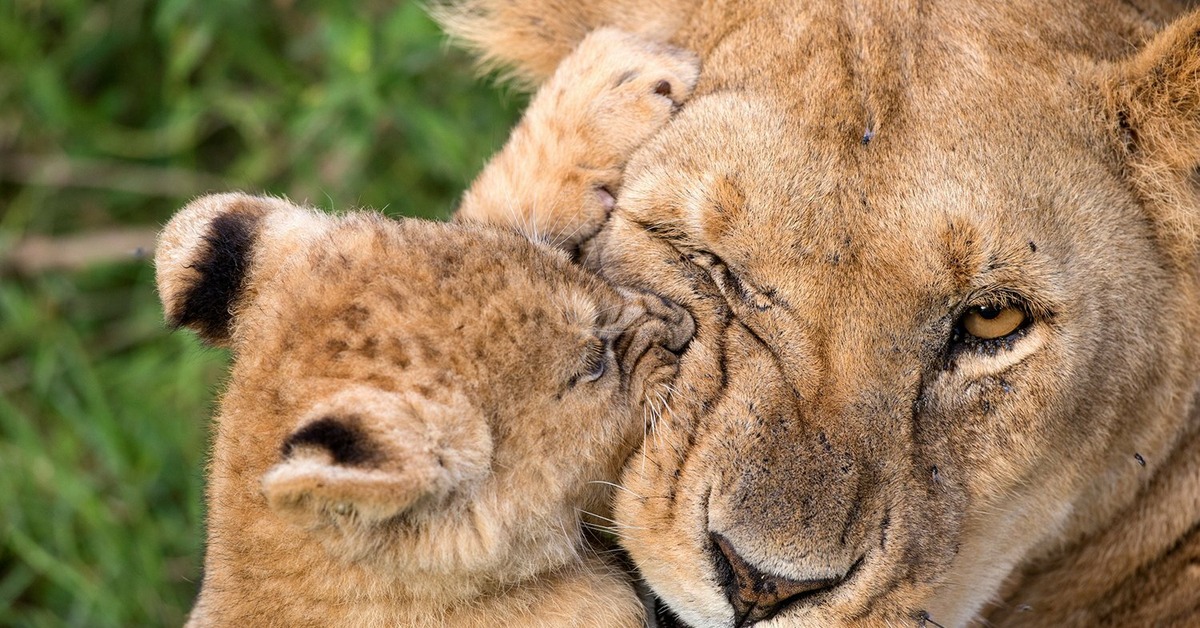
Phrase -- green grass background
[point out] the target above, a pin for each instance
(113, 114)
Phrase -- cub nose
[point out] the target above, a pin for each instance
(681, 327)
(756, 595)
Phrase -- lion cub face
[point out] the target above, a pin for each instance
(423, 406)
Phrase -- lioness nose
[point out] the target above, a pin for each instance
(755, 595)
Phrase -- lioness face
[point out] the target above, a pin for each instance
(933, 340)
(944, 258)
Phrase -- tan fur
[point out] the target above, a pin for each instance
(527, 40)
(455, 500)
(849, 179)
(606, 99)
(421, 417)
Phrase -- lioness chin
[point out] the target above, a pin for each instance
(943, 258)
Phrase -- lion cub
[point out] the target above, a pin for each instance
(419, 414)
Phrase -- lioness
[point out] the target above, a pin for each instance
(420, 415)
(948, 307)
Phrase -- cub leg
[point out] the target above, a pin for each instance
(557, 177)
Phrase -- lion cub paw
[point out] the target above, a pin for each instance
(560, 172)
(616, 90)
(621, 89)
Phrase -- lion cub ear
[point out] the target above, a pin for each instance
(366, 455)
(1154, 99)
(207, 252)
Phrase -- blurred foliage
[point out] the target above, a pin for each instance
(113, 113)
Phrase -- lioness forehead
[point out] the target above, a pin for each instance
(736, 175)
(883, 113)
(883, 56)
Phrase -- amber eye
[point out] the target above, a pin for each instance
(990, 322)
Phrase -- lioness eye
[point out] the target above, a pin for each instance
(989, 322)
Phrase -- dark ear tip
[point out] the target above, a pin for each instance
(203, 257)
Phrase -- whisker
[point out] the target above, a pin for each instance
(645, 428)
(616, 523)
(563, 238)
(616, 486)
(607, 530)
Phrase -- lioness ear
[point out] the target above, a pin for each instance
(206, 253)
(1154, 99)
(526, 39)
(366, 455)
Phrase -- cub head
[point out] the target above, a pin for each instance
(432, 407)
